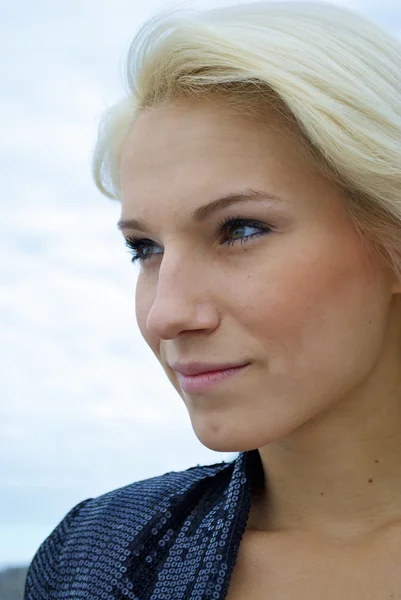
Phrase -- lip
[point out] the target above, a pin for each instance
(199, 368)
(202, 382)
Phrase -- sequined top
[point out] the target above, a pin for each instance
(171, 537)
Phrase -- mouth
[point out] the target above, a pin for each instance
(202, 382)
(199, 368)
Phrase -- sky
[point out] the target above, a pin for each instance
(84, 405)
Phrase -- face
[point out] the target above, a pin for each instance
(280, 281)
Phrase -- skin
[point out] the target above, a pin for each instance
(317, 317)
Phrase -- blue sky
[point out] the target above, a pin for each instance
(85, 407)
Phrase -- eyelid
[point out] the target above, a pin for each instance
(230, 219)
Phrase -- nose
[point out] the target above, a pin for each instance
(183, 300)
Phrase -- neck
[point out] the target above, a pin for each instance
(338, 475)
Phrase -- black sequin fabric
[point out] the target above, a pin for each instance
(171, 537)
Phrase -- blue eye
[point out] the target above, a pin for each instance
(229, 224)
(140, 248)
(136, 247)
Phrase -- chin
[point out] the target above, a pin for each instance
(239, 435)
(223, 445)
(228, 440)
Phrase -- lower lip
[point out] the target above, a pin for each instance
(196, 384)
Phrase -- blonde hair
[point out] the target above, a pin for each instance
(333, 72)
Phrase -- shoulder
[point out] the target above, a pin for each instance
(137, 500)
(105, 521)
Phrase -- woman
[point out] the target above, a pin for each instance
(257, 160)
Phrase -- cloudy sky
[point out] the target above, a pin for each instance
(85, 407)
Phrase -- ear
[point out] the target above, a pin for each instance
(395, 282)
(393, 278)
(396, 291)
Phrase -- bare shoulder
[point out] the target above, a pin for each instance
(281, 566)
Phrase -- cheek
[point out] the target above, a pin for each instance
(309, 307)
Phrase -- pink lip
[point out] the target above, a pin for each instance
(198, 367)
(196, 384)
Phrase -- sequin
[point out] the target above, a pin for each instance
(171, 537)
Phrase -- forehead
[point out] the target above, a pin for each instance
(196, 141)
(161, 133)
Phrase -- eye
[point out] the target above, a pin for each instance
(136, 247)
(142, 248)
(238, 224)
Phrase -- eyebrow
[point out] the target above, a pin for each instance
(203, 212)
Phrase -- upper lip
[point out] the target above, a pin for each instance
(196, 368)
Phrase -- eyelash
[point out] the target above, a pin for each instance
(135, 244)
